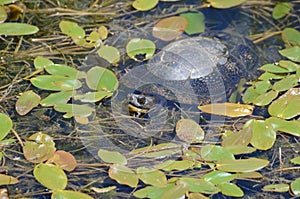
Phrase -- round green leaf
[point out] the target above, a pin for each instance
(50, 176)
(40, 62)
(292, 53)
(230, 189)
(250, 95)
(138, 46)
(57, 98)
(80, 110)
(71, 29)
(225, 4)
(295, 187)
(281, 9)
(215, 153)
(112, 157)
(26, 102)
(109, 53)
(144, 5)
(189, 131)
(152, 177)
(262, 87)
(123, 175)
(242, 165)
(195, 22)
(15, 29)
(291, 36)
(99, 78)
(55, 83)
(66, 194)
(5, 125)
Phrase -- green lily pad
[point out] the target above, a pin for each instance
(266, 98)
(289, 65)
(6, 180)
(38, 148)
(178, 191)
(102, 30)
(71, 29)
(198, 185)
(50, 176)
(26, 102)
(271, 76)
(55, 83)
(99, 78)
(291, 127)
(250, 95)
(109, 53)
(144, 5)
(112, 157)
(219, 177)
(238, 149)
(80, 110)
(287, 106)
(195, 22)
(242, 165)
(189, 131)
(16, 29)
(262, 87)
(123, 175)
(295, 187)
(5, 125)
(66, 194)
(291, 36)
(227, 109)
(63, 70)
(276, 188)
(286, 83)
(153, 192)
(225, 4)
(295, 160)
(93, 96)
(263, 134)
(138, 46)
(172, 165)
(281, 9)
(230, 189)
(152, 177)
(241, 138)
(292, 53)
(57, 98)
(41, 62)
(272, 68)
(215, 153)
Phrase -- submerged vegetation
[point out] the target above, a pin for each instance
(60, 62)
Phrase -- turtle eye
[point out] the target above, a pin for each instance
(141, 100)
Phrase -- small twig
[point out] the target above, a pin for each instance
(18, 137)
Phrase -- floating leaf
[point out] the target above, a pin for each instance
(93, 96)
(171, 165)
(178, 191)
(41, 62)
(189, 131)
(295, 187)
(286, 83)
(50, 176)
(263, 135)
(99, 78)
(38, 148)
(250, 95)
(63, 70)
(198, 185)
(63, 160)
(271, 76)
(287, 106)
(218, 177)
(5, 125)
(71, 29)
(27, 102)
(295, 160)
(55, 83)
(153, 192)
(238, 149)
(266, 98)
(272, 68)
(227, 109)
(57, 98)
(109, 53)
(262, 87)
(292, 53)
(215, 153)
(157, 151)
(102, 30)
(137, 46)
(169, 28)
(66, 194)
(242, 165)
(225, 4)
(276, 188)
(291, 36)
(195, 21)
(230, 189)
(144, 5)
(6, 180)
(241, 138)
(289, 65)
(123, 175)
(281, 9)
(290, 127)
(112, 157)
(81, 110)
(3, 14)
(152, 177)
(15, 29)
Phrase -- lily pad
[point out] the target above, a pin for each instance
(144, 5)
(5, 125)
(26, 102)
(266, 98)
(6, 180)
(292, 53)
(169, 28)
(138, 46)
(215, 153)
(57, 98)
(102, 30)
(242, 165)
(63, 160)
(291, 36)
(219, 177)
(296, 160)
(93, 96)
(225, 4)
(109, 53)
(291, 127)
(230, 189)
(195, 22)
(16, 29)
(50, 176)
(289, 65)
(81, 110)
(295, 187)
(227, 109)
(198, 185)
(99, 78)
(152, 177)
(67, 194)
(286, 83)
(41, 62)
(123, 175)
(281, 9)
(71, 29)
(112, 157)
(272, 68)
(153, 192)
(276, 188)
(189, 131)
(55, 83)
(63, 70)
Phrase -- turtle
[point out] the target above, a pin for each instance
(194, 70)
